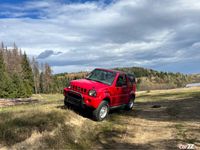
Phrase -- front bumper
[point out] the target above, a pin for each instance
(80, 100)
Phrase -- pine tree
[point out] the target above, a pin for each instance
(27, 75)
(4, 80)
(36, 75)
(41, 82)
(47, 79)
(18, 87)
(2, 46)
(14, 46)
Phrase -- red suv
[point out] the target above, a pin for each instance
(102, 90)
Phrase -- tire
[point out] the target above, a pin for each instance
(101, 112)
(66, 103)
(130, 105)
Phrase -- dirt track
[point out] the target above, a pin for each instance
(154, 128)
(12, 102)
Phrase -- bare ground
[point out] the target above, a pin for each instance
(12, 102)
(159, 120)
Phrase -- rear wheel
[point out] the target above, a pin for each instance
(101, 112)
(130, 105)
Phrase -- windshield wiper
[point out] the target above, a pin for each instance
(88, 78)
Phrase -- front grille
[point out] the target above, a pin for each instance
(74, 98)
(79, 89)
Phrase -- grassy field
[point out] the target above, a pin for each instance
(159, 120)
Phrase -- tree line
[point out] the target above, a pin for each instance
(149, 79)
(21, 77)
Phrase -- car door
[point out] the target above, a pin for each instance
(121, 89)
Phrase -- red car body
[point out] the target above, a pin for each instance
(113, 94)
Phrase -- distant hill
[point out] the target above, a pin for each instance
(147, 79)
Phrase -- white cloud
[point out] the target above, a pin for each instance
(123, 33)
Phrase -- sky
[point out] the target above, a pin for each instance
(79, 35)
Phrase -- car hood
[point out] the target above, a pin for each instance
(88, 84)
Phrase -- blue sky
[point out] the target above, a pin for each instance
(84, 34)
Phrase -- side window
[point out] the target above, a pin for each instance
(121, 81)
(131, 78)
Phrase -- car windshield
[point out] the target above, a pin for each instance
(102, 76)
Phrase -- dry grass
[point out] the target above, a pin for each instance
(48, 125)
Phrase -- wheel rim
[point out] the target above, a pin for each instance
(103, 112)
(131, 104)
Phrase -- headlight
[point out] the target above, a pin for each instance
(69, 86)
(92, 93)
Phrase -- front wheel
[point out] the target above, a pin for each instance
(129, 106)
(66, 104)
(101, 112)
